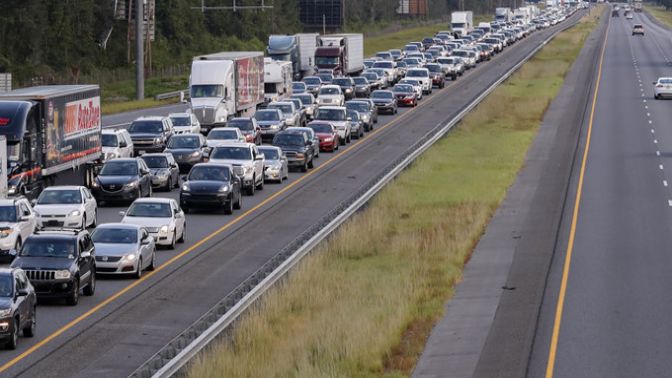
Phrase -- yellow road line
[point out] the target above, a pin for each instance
(575, 216)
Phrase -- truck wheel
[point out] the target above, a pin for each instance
(228, 207)
(260, 186)
(239, 203)
(29, 331)
(14, 338)
(73, 298)
(250, 189)
(90, 289)
(310, 164)
(304, 167)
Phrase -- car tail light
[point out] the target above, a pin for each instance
(659, 85)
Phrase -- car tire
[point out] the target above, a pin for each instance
(228, 207)
(260, 186)
(14, 338)
(73, 298)
(186, 209)
(311, 164)
(138, 194)
(173, 242)
(183, 237)
(31, 329)
(341, 142)
(239, 202)
(655, 96)
(169, 185)
(94, 224)
(138, 272)
(83, 222)
(177, 181)
(304, 167)
(149, 190)
(251, 189)
(90, 289)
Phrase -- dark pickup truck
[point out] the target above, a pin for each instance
(150, 134)
(300, 151)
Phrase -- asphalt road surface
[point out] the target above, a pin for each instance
(617, 303)
(127, 321)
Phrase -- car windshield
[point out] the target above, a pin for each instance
(370, 76)
(42, 247)
(53, 197)
(312, 80)
(115, 235)
(329, 91)
(322, 128)
(207, 90)
(330, 114)
(326, 78)
(433, 68)
(305, 99)
(411, 48)
(382, 94)
(410, 82)
(181, 121)
(109, 140)
(361, 80)
(119, 168)
(267, 116)
(209, 173)
(223, 134)
(298, 86)
(285, 108)
(460, 53)
(149, 210)
(6, 285)
(402, 65)
(357, 105)
(7, 214)
(149, 127)
(231, 153)
(289, 139)
(241, 124)
(353, 115)
(270, 153)
(341, 81)
(402, 88)
(155, 161)
(184, 141)
(383, 65)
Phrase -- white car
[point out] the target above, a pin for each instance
(662, 87)
(422, 75)
(162, 217)
(247, 162)
(17, 221)
(116, 144)
(123, 248)
(289, 111)
(66, 207)
(337, 116)
(185, 123)
(330, 95)
(223, 135)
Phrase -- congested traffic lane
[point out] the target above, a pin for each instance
(133, 323)
(613, 322)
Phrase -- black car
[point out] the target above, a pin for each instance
(362, 86)
(367, 112)
(299, 150)
(384, 101)
(165, 173)
(347, 86)
(188, 150)
(122, 180)
(59, 264)
(211, 184)
(249, 127)
(18, 306)
(150, 134)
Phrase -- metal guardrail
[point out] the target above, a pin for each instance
(182, 94)
(176, 354)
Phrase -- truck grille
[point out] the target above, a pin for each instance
(205, 115)
(40, 275)
(143, 142)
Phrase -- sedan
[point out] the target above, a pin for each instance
(313, 84)
(122, 180)
(385, 101)
(162, 218)
(248, 127)
(367, 112)
(224, 135)
(188, 150)
(405, 95)
(66, 206)
(163, 169)
(18, 306)
(662, 88)
(123, 248)
(17, 221)
(436, 74)
(356, 124)
(362, 86)
(326, 132)
(211, 184)
(275, 166)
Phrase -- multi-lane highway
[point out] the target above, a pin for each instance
(607, 301)
(126, 322)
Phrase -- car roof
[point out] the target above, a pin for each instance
(54, 234)
(184, 114)
(332, 107)
(213, 164)
(234, 144)
(64, 187)
(163, 154)
(150, 118)
(266, 147)
(120, 225)
(9, 201)
(153, 200)
(122, 160)
(331, 86)
(113, 131)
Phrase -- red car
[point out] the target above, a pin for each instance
(405, 95)
(327, 134)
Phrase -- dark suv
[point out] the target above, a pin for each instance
(299, 149)
(17, 306)
(150, 134)
(59, 264)
(347, 85)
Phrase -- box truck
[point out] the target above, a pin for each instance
(225, 85)
(297, 48)
(503, 14)
(462, 23)
(340, 54)
(53, 136)
(277, 79)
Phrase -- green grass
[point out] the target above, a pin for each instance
(659, 12)
(119, 96)
(363, 304)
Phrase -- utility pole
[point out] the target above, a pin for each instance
(139, 51)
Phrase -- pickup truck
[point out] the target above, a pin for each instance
(247, 163)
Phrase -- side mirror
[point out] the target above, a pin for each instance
(123, 144)
(21, 293)
(85, 255)
(122, 213)
(147, 240)
(259, 157)
(349, 118)
(309, 142)
(13, 252)
(654, 83)
(33, 202)
(144, 172)
(24, 218)
(174, 165)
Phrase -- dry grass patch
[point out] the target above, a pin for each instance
(364, 303)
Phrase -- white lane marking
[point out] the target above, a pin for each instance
(648, 114)
(657, 153)
(665, 183)
(661, 167)
(644, 100)
(646, 107)
(655, 141)
(669, 203)
(653, 131)
(650, 122)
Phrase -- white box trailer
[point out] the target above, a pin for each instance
(277, 79)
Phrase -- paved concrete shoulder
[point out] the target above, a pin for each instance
(489, 323)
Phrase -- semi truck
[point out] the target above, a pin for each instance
(462, 23)
(277, 79)
(637, 5)
(503, 14)
(53, 136)
(297, 48)
(340, 54)
(225, 85)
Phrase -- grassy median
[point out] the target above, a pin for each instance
(659, 12)
(365, 301)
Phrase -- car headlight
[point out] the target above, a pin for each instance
(128, 258)
(275, 126)
(248, 169)
(195, 154)
(224, 189)
(95, 184)
(300, 156)
(163, 230)
(222, 119)
(365, 117)
(157, 140)
(75, 213)
(131, 185)
(5, 312)
(274, 168)
(185, 187)
(164, 172)
(329, 139)
(110, 155)
(5, 233)
(62, 274)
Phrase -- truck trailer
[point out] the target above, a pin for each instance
(462, 23)
(340, 54)
(226, 85)
(503, 14)
(53, 136)
(297, 48)
(277, 79)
